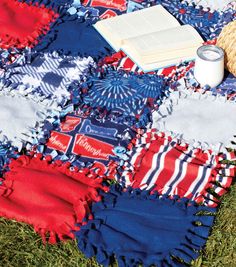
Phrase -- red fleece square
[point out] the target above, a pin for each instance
(51, 196)
(21, 24)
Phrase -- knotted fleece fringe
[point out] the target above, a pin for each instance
(7, 152)
(142, 228)
(206, 21)
(23, 23)
(50, 196)
(171, 166)
(226, 89)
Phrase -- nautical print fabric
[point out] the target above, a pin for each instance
(49, 196)
(172, 167)
(142, 229)
(51, 75)
(21, 24)
(86, 139)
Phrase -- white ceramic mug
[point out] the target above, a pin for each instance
(209, 65)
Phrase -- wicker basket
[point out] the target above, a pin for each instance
(227, 41)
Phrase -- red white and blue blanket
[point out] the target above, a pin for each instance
(88, 146)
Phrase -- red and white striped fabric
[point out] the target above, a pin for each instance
(175, 168)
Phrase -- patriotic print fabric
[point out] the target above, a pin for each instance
(107, 9)
(129, 95)
(172, 167)
(82, 139)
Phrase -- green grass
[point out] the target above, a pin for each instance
(21, 247)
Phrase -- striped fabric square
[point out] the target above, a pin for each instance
(21, 23)
(162, 163)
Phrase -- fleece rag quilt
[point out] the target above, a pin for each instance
(93, 149)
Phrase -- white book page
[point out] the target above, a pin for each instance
(157, 64)
(164, 64)
(137, 23)
(164, 43)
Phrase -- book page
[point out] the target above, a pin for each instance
(164, 45)
(137, 23)
(160, 64)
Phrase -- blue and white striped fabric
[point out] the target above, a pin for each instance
(50, 74)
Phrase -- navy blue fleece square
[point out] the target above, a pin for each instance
(73, 37)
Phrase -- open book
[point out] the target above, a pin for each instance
(151, 37)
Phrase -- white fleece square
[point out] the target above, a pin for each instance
(17, 115)
(200, 119)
